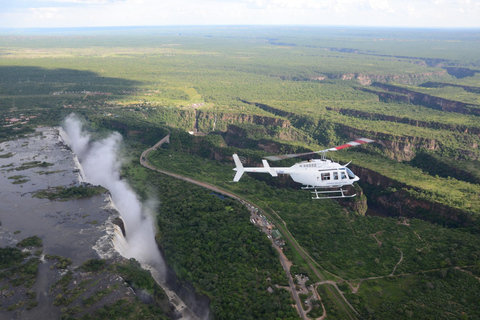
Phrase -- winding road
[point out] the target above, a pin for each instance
(282, 258)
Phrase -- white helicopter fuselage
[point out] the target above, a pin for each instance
(314, 173)
(322, 174)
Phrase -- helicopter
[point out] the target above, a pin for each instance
(324, 174)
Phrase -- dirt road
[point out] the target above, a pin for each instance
(283, 260)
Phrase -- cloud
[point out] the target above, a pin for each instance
(80, 2)
(412, 11)
(46, 13)
(381, 5)
(80, 13)
(298, 4)
(328, 5)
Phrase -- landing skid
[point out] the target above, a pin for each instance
(330, 194)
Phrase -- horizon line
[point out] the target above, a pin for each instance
(241, 25)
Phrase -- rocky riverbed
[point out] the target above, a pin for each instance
(72, 269)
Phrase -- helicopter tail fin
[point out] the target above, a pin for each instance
(239, 168)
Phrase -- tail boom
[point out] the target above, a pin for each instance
(241, 169)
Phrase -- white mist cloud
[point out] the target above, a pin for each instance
(101, 164)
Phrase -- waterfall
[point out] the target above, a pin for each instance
(99, 163)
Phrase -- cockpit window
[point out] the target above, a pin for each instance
(350, 174)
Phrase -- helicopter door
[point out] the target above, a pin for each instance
(335, 175)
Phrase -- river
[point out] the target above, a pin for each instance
(70, 229)
(76, 229)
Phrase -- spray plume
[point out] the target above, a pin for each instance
(101, 164)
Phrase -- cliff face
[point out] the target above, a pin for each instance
(388, 96)
(236, 137)
(393, 198)
(275, 111)
(207, 120)
(416, 123)
(368, 79)
(442, 85)
(241, 137)
(405, 148)
(426, 100)
(436, 165)
(401, 148)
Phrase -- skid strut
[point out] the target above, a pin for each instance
(331, 194)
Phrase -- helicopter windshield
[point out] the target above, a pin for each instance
(350, 174)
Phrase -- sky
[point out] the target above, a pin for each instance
(103, 13)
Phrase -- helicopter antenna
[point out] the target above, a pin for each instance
(323, 153)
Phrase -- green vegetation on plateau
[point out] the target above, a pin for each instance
(270, 90)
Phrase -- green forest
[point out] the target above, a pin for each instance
(405, 247)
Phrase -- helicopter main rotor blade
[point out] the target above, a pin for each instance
(350, 144)
(288, 156)
(343, 146)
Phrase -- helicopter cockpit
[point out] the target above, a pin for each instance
(349, 172)
(351, 175)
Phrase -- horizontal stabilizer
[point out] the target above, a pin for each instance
(273, 172)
